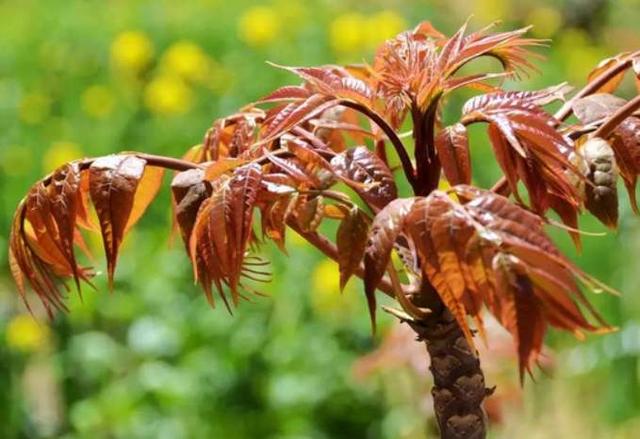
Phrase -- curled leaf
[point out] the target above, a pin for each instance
(367, 174)
(601, 192)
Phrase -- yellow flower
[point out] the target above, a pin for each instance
(488, 11)
(382, 26)
(347, 33)
(168, 94)
(259, 26)
(60, 153)
(187, 60)
(131, 51)
(325, 289)
(25, 334)
(545, 20)
(34, 108)
(98, 101)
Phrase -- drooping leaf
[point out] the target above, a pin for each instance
(385, 229)
(222, 230)
(521, 312)
(120, 197)
(189, 192)
(351, 240)
(493, 251)
(452, 145)
(540, 156)
(430, 225)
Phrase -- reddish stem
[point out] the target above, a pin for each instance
(565, 111)
(616, 118)
(403, 155)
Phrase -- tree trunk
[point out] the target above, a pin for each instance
(459, 388)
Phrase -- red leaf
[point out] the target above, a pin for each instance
(367, 174)
(351, 240)
(114, 183)
(452, 145)
(386, 227)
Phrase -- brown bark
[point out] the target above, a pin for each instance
(459, 387)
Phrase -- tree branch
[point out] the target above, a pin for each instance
(403, 155)
(616, 118)
(153, 160)
(565, 111)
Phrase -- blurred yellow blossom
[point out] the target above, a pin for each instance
(131, 51)
(545, 20)
(60, 153)
(168, 94)
(382, 26)
(325, 289)
(259, 26)
(98, 101)
(326, 277)
(34, 108)
(348, 33)
(25, 334)
(187, 60)
(487, 11)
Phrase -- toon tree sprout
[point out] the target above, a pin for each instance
(326, 149)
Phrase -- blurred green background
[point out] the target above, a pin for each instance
(152, 360)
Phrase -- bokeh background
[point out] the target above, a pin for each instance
(152, 360)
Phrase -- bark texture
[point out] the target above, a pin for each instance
(459, 387)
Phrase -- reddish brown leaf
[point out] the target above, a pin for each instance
(626, 147)
(386, 227)
(297, 113)
(189, 192)
(367, 174)
(521, 313)
(287, 93)
(114, 183)
(351, 239)
(309, 212)
(452, 145)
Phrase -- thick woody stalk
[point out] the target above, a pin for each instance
(459, 386)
